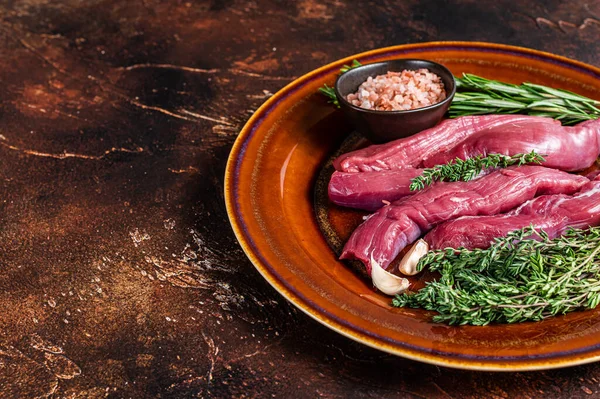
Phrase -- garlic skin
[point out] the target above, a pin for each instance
(408, 264)
(387, 282)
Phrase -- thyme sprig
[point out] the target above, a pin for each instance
(329, 92)
(459, 170)
(524, 276)
(478, 96)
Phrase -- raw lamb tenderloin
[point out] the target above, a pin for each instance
(552, 213)
(385, 233)
(410, 152)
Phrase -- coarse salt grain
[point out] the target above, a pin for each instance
(399, 91)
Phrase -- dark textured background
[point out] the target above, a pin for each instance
(119, 273)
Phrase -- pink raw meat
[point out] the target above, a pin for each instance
(385, 233)
(552, 213)
(567, 148)
(368, 190)
(410, 152)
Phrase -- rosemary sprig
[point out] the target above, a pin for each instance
(459, 170)
(524, 276)
(329, 92)
(477, 96)
(480, 96)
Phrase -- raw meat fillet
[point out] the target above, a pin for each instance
(567, 148)
(367, 190)
(552, 213)
(411, 151)
(385, 233)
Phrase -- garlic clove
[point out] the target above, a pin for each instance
(408, 264)
(386, 282)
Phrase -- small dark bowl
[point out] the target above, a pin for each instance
(383, 126)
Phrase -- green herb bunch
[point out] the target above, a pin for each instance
(478, 96)
(523, 276)
(459, 170)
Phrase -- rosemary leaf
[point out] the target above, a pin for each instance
(329, 92)
(346, 68)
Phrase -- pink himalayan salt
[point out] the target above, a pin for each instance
(399, 91)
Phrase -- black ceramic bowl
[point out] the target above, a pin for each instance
(383, 126)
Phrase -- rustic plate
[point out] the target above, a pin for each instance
(269, 188)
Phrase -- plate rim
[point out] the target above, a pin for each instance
(519, 364)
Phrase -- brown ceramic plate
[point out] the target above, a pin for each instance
(269, 190)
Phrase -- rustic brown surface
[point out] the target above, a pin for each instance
(120, 275)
